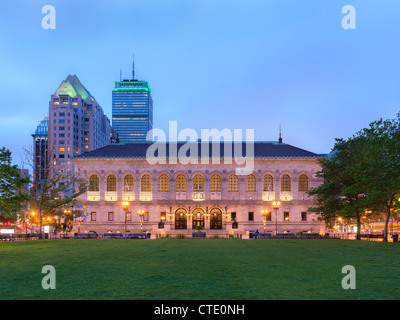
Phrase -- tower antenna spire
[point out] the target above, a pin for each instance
(133, 66)
(280, 134)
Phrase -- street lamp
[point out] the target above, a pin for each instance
(125, 205)
(276, 205)
(264, 213)
(141, 214)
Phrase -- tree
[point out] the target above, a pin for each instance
(341, 194)
(363, 175)
(13, 198)
(379, 168)
(54, 192)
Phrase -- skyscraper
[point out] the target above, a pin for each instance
(40, 141)
(132, 109)
(77, 124)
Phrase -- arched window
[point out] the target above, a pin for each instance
(233, 183)
(181, 183)
(94, 183)
(128, 183)
(198, 183)
(268, 183)
(163, 183)
(215, 183)
(146, 183)
(251, 182)
(303, 183)
(111, 183)
(285, 183)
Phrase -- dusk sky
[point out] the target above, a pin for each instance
(253, 64)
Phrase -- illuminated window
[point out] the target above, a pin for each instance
(303, 183)
(198, 183)
(163, 184)
(111, 183)
(216, 183)
(285, 183)
(128, 183)
(61, 149)
(286, 216)
(268, 183)
(94, 183)
(146, 183)
(181, 183)
(233, 183)
(250, 183)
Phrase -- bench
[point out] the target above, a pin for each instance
(141, 235)
(262, 235)
(285, 235)
(113, 235)
(90, 235)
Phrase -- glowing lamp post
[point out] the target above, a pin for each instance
(141, 214)
(125, 205)
(276, 205)
(264, 213)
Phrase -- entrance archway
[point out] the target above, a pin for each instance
(215, 219)
(180, 219)
(198, 217)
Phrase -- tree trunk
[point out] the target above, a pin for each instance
(385, 232)
(358, 228)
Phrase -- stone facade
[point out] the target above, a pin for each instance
(216, 204)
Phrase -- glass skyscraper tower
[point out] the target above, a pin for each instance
(132, 110)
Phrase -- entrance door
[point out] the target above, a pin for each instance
(198, 217)
(180, 219)
(215, 219)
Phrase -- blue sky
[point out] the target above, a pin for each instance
(251, 64)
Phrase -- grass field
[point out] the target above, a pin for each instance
(217, 269)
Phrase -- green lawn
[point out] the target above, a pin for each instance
(199, 269)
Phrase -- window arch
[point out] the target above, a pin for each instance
(198, 183)
(303, 183)
(268, 183)
(215, 183)
(146, 183)
(181, 183)
(163, 183)
(233, 183)
(251, 182)
(128, 182)
(111, 183)
(285, 183)
(94, 183)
